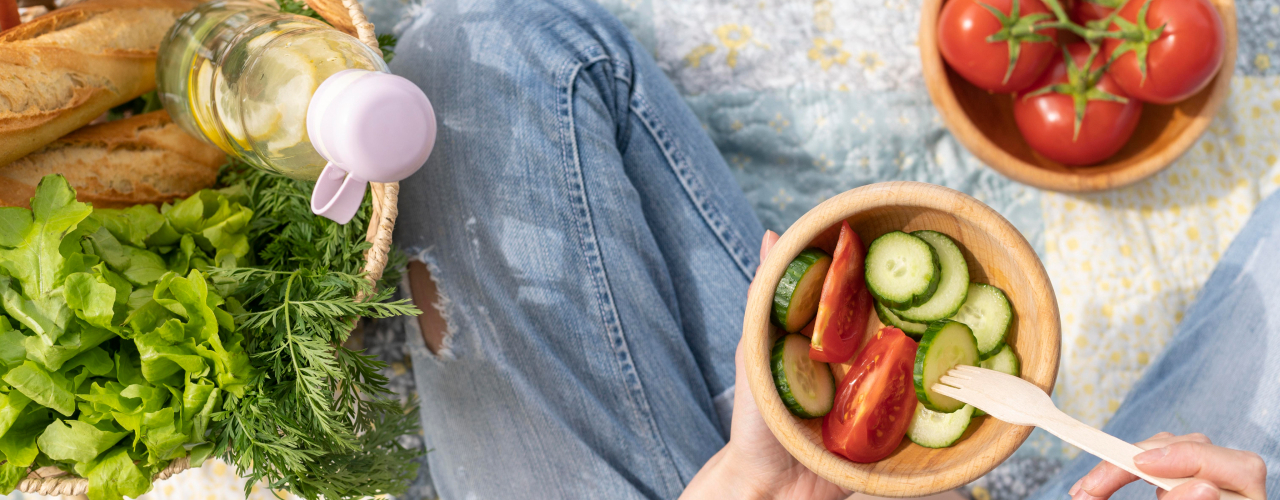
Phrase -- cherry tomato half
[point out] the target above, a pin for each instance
(875, 401)
(1048, 120)
(845, 303)
(963, 28)
(1181, 61)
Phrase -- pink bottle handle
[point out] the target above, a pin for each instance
(338, 194)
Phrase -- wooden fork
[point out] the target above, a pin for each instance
(1019, 402)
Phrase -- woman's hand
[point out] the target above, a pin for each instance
(754, 464)
(1214, 468)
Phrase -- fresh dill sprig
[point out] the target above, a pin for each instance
(319, 419)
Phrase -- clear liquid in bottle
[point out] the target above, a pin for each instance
(241, 75)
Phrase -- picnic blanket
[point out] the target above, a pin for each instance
(809, 98)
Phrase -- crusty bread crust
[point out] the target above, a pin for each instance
(143, 159)
(62, 70)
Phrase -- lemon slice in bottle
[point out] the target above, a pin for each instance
(289, 93)
(200, 95)
(228, 108)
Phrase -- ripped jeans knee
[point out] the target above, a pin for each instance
(433, 324)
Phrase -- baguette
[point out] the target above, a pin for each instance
(62, 70)
(143, 159)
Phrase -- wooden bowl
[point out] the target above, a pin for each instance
(983, 122)
(996, 253)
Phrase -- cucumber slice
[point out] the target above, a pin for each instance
(945, 345)
(795, 301)
(914, 330)
(806, 386)
(931, 429)
(987, 312)
(1003, 361)
(902, 270)
(953, 287)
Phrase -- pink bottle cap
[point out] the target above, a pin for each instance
(371, 127)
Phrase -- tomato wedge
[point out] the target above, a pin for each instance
(875, 401)
(845, 303)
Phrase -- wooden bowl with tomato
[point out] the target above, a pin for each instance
(994, 254)
(1169, 104)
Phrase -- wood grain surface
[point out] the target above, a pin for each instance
(996, 253)
(983, 122)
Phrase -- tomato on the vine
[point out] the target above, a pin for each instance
(993, 43)
(1171, 48)
(1086, 11)
(1076, 113)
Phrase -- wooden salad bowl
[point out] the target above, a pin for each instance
(983, 122)
(996, 253)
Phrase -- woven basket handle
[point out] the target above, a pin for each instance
(348, 16)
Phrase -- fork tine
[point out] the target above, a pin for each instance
(956, 382)
(954, 372)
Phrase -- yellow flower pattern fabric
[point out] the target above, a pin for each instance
(1127, 264)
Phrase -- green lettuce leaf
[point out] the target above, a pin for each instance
(108, 248)
(10, 475)
(133, 225)
(114, 475)
(30, 314)
(19, 444)
(11, 406)
(12, 351)
(14, 222)
(78, 441)
(36, 261)
(199, 400)
(80, 338)
(162, 436)
(145, 267)
(49, 390)
(91, 300)
(162, 358)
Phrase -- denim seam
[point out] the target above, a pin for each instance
(693, 186)
(585, 228)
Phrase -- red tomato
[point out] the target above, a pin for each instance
(963, 28)
(1181, 61)
(845, 303)
(875, 400)
(1085, 11)
(1048, 120)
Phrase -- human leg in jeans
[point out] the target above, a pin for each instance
(591, 249)
(592, 254)
(1219, 376)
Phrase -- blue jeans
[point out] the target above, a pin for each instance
(592, 249)
(593, 254)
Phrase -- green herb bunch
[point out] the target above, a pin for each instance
(115, 348)
(318, 420)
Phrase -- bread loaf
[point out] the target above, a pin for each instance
(62, 70)
(143, 159)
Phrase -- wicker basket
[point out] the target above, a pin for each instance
(348, 16)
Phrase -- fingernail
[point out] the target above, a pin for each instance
(1089, 481)
(1149, 456)
(1206, 491)
(1074, 488)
